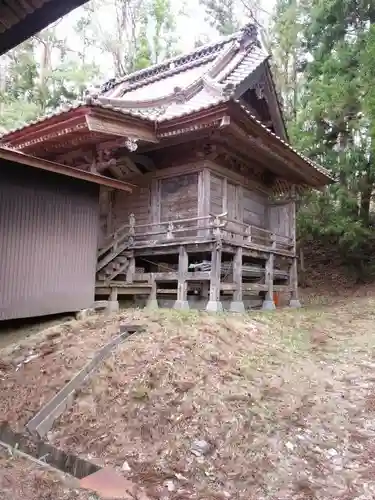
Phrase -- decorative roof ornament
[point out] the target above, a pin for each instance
(249, 36)
(108, 85)
(131, 144)
(179, 95)
(228, 89)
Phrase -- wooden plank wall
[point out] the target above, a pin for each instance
(138, 203)
(179, 197)
(216, 194)
(242, 204)
(279, 219)
(157, 200)
(254, 208)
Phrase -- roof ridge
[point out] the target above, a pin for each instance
(179, 61)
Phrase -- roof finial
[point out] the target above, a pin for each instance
(249, 35)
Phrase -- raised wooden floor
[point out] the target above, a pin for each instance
(229, 259)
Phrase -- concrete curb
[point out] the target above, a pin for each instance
(43, 421)
(45, 454)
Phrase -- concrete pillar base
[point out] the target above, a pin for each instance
(113, 306)
(214, 306)
(268, 305)
(152, 304)
(85, 313)
(182, 305)
(237, 306)
(295, 303)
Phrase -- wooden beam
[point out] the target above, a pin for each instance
(116, 171)
(130, 165)
(48, 129)
(269, 303)
(121, 128)
(143, 160)
(131, 270)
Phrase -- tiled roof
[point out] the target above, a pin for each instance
(180, 85)
(67, 108)
(174, 65)
(186, 83)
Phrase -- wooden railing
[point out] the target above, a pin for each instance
(219, 227)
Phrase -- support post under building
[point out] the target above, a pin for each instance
(237, 304)
(214, 304)
(269, 303)
(183, 265)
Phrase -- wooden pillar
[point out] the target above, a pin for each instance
(113, 304)
(183, 265)
(204, 192)
(155, 203)
(205, 289)
(237, 304)
(114, 294)
(293, 283)
(214, 304)
(131, 270)
(268, 303)
(152, 302)
(293, 271)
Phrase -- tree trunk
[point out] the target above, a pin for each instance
(366, 194)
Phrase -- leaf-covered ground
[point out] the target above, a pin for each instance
(35, 368)
(22, 479)
(261, 406)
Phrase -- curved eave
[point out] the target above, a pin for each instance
(311, 173)
(228, 113)
(88, 123)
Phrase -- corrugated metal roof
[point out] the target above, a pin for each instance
(20, 19)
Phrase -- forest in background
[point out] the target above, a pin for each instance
(323, 58)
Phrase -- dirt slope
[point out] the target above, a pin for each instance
(35, 369)
(272, 406)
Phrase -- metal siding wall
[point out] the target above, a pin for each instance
(48, 242)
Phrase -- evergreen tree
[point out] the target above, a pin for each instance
(334, 118)
(222, 15)
(39, 78)
(285, 42)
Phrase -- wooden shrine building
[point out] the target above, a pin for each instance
(202, 137)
